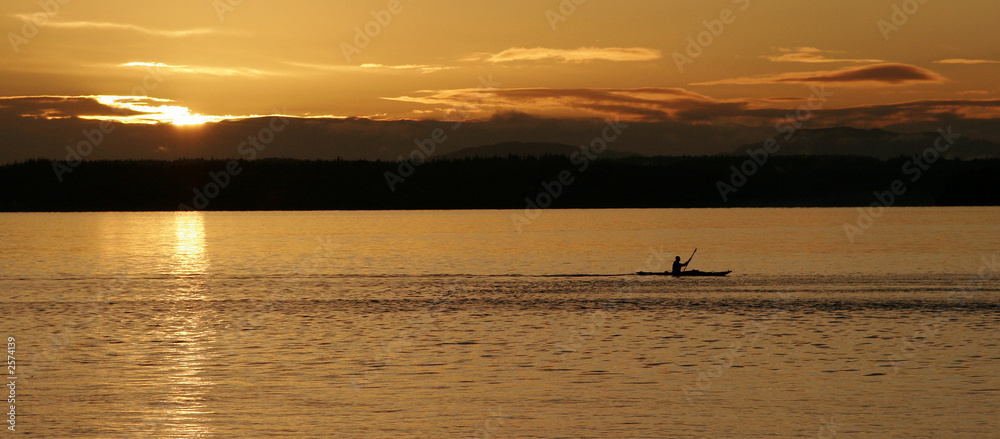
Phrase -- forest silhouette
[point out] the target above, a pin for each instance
(490, 183)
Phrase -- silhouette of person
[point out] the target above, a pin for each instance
(678, 265)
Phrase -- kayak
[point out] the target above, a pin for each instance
(691, 273)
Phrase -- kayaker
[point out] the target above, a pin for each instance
(678, 265)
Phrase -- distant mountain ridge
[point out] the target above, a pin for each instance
(840, 141)
(526, 149)
(874, 143)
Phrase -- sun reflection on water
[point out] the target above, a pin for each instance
(189, 261)
(189, 249)
(185, 373)
(185, 333)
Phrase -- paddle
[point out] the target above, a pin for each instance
(689, 260)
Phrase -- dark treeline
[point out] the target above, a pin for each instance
(486, 183)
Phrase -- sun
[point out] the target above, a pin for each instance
(178, 115)
(154, 110)
(191, 119)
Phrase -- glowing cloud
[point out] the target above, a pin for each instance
(58, 107)
(813, 55)
(892, 74)
(124, 109)
(629, 104)
(120, 27)
(214, 71)
(150, 110)
(369, 67)
(583, 54)
(966, 61)
(421, 67)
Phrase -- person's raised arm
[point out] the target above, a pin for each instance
(692, 257)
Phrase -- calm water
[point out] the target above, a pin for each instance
(452, 324)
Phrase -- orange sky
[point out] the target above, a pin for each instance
(451, 60)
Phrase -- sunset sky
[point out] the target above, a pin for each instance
(205, 60)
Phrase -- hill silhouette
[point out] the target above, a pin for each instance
(874, 143)
(526, 149)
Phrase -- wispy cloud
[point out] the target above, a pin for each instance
(974, 92)
(125, 109)
(201, 70)
(423, 68)
(812, 55)
(629, 104)
(682, 106)
(583, 54)
(966, 61)
(371, 67)
(322, 67)
(181, 33)
(59, 107)
(891, 74)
